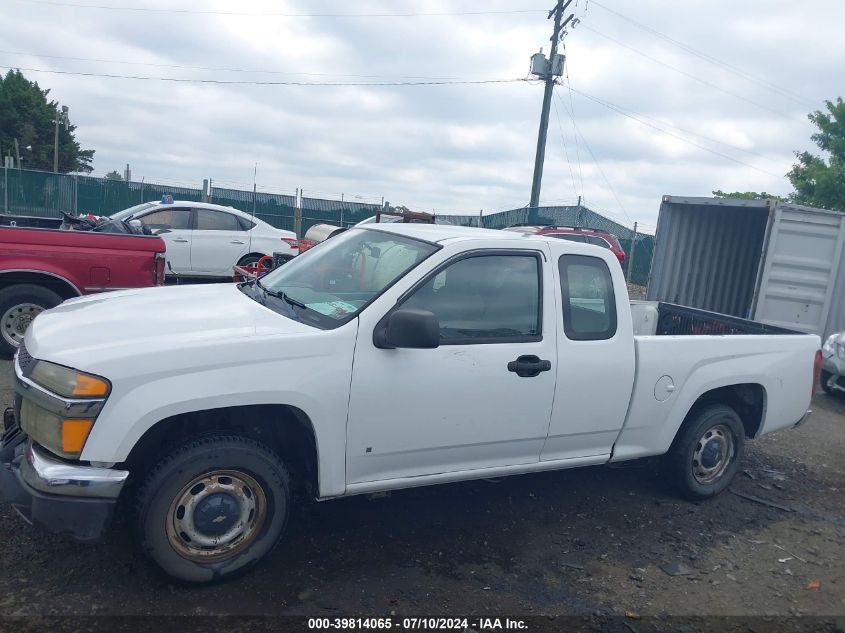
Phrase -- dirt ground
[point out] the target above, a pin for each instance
(595, 541)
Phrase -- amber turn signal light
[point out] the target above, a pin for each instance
(74, 434)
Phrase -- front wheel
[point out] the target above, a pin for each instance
(19, 305)
(213, 508)
(707, 451)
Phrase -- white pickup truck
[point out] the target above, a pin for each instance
(391, 356)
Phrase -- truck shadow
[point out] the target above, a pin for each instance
(521, 544)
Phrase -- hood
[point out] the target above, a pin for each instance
(81, 331)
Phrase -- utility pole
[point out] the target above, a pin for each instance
(254, 188)
(61, 117)
(631, 256)
(547, 69)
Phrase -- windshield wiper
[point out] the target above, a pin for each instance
(280, 295)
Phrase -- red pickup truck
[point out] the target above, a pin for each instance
(41, 266)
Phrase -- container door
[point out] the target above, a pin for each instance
(800, 269)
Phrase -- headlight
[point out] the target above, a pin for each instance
(68, 382)
(829, 347)
(64, 436)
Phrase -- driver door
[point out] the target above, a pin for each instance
(461, 406)
(177, 221)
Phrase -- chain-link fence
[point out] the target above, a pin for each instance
(45, 194)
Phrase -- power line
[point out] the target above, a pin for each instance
(271, 83)
(572, 106)
(685, 73)
(595, 161)
(408, 14)
(566, 151)
(218, 68)
(709, 58)
(619, 110)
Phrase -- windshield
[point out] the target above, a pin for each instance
(122, 215)
(338, 278)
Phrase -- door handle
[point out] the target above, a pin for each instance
(236, 242)
(529, 366)
(180, 239)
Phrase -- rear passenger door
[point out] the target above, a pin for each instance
(219, 242)
(595, 359)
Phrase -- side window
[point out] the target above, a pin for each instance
(209, 220)
(484, 299)
(168, 218)
(246, 225)
(569, 237)
(589, 305)
(598, 241)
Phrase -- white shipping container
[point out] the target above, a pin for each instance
(770, 261)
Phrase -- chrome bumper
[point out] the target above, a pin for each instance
(44, 473)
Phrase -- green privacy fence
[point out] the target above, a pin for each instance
(340, 212)
(45, 194)
(276, 209)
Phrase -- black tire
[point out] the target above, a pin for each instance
(21, 297)
(823, 379)
(684, 463)
(239, 459)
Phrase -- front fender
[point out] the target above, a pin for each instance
(316, 381)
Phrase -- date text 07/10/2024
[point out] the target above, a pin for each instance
(417, 624)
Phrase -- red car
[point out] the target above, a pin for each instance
(590, 236)
(41, 266)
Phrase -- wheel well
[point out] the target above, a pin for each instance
(259, 255)
(58, 285)
(284, 429)
(748, 400)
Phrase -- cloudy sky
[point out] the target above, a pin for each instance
(662, 97)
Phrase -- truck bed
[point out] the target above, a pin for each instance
(683, 352)
(656, 318)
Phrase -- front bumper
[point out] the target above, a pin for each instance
(63, 498)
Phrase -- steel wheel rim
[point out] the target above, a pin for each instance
(16, 320)
(714, 452)
(188, 529)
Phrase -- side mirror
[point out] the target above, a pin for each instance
(136, 223)
(406, 328)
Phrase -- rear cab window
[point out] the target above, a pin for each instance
(589, 302)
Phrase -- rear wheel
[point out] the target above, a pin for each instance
(706, 453)
(825, 380)
(19, 305)
(213, 508)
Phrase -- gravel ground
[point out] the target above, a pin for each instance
(604, 540)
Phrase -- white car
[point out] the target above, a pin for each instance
(209, 240)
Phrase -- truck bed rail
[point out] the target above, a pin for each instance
(675, 320)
